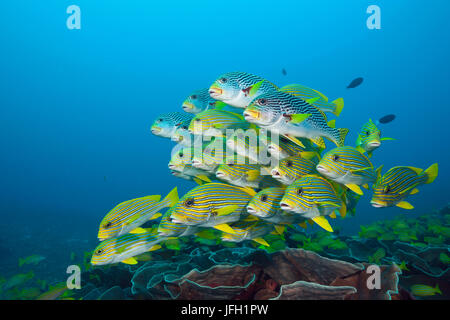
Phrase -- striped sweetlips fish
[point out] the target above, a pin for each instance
(348, 166)
(216, 122)
(292, 168)
(315, 97)
(169, 228)
(399, 182)
(249, 230)
(238, 89)
(125, 247)
(198, 101)
(313, 197)
(166, 123)
(251, 144)
(129, 215)
(182, 135)
(286, 148)
(181, 162)
(369, 138)
(212, 205)
(293, 117)
(266, 206)
(246, 175)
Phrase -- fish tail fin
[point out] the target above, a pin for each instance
(339, 103)
(172, 197)
(437, 289)
(431, 173)
(342, 133)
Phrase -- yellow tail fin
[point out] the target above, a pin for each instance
(339, 103)
(431, 173)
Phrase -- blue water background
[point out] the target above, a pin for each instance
(77, 105)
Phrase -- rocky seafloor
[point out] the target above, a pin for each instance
(408, 251)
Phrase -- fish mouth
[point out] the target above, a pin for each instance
(220, 174)
(378, 204)
(215, 92)
(285, 206)
(374, 144)
(187, 106)
(174, 220)
(251, 114)
(250, 209)
(322, 170)
(172, 166)
(156, 130)
(275, 173)
(196, 163)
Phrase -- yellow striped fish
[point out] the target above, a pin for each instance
(369, 138)
(292, 168)
(266, 206)
(128, 216)
(348, 166)
(398, 183)
(215, 122)
(313, 197)
(168, 228)
(124, 248)
(249, 230)
(422, 290)
(287, 148)
(212, 205)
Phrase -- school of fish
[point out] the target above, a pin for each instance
(257, 154)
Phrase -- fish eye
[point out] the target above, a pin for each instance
(367, 133)
(223, 80)
(262, 101)
(335, 157)
(181, 154)
(387, 189)
(159, 120)
(264, 198)
(99, 251)
(197, 120)
(184, 127)
(189, 202)
(299, 191)
(108, 225)
(289, 163)
(231, 164)
(194, 96)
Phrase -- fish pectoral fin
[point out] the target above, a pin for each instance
(248, 190)
(155, 247)
(198, 181)
(172, 197)
(203, 178)
(360, 149)
(365, 186)
(312, 100)
(295, 140)
(261, 241)
(130, 261)
(254, 88)
(405, 205)
(226, 210)
(355, 188)
(138, 230)
(386, 138)
(299, 118)
(323, 222)
(252, 175)
(225, 228)
(414, 191)
(155, 216)
(280, 229)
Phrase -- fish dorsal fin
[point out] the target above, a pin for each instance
(155, 216)
(416, 170)
(295, 140)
